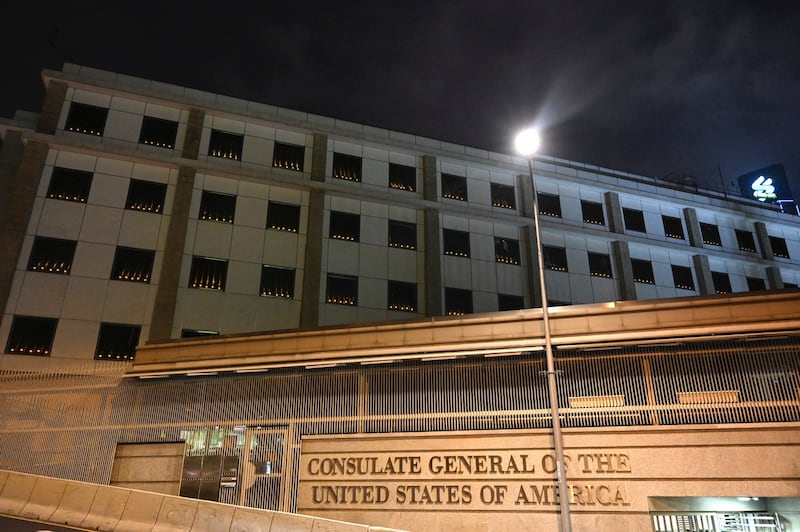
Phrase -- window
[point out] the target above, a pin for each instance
(117, 342)
(549, 205)
(51, 255)
(509, 302)
(345, 226)
(746, 241)
(402, 177)
(779, 248)
(146, 196)
(208, 273)
(158, 132)
(643, 271)
(347, 167)
(277, 282)
(197, 333)
(70, 185)
(283, 217)
(135, 265)
(31, 336)
(217, 207)
(457, 301)
(455, 242)
(342, 290)
(600, 265)
(402, 235)
(672, 227)
(634, 220)
(225, 145)
(503, 196)
(554, 258)
(755, 284)
(592, 213)
(288, 156)
(506, 250)
(402, 296)
(454, 187)
(722, 283)
(710, 234)
(86, 119)
(682, 277)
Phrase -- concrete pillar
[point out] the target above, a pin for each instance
(693, 227)
(194, 130)
(319, 157)
(762, 236)
(531, 248)
(774, 278)
(434, 306)
(51, 107)
(702, 268)
(430, 191)
(312, 269)
(621, 255)
(616, 221)
(525, 187)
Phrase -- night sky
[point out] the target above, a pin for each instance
(654, 88)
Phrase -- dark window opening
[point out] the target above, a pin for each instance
(146, 196)
(755, 284)
(779, 248)
(345, 226)
(682, 277)
(672, 227)
(342, 290)
(402, 296)
(549, 205)
(117, 342)
(634, 220)
(600, 265)
(503, 196)
(455, 242)
(710, 234)
(554, 258)
(347, 167)
(208, 273)
(283, 217)
(506, 250)
(722, 282)
(402, 235)
(592, 213)
(86, 119)
(217, 207)
(51, 255)
(197, 333)
(402, 177)
(277, 282)
(643, 271)
(454, 187)
(135, 265)
(70, 185)
(746, 241)
(288, 156)
(225, 145)
(31, 336)
(158, 132)
(510, 302)
(457, 301)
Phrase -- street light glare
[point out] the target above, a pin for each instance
(527, 142)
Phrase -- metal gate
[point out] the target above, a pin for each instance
(266, 469)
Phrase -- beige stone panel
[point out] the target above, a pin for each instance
(247, 520)
(329, 525)
(284, 522)
(107, 508)
(176, 514)
(212, 517)
(140, 513)
(16, 492)
(75, 503)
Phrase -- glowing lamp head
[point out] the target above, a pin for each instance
(527, 142)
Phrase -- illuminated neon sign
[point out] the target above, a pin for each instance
(769, 184)
(763, 189)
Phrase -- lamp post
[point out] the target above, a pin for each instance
(527, 143)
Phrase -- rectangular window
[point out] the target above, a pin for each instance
(342, 290)
(454, 187)
(555, 258)
(746, 241)
(710, 234)
(506, 250)
(722, 283)
(672, 227)
(277, 282)
(402, 296)
(86, 119)
(70, 185)
(549, 205)
(217, 207)
(779, 248)
(600, 265)
(117, 342)
(503, 196)
(146, 196)
(455, 242)
(288, 156)
(509, 302)
(197, 333)
(345, 226)
(31, 336)
(283, 217)
(402, 235)
(756, 284)
(682, 277)
(634, 220)
(51, 255)
(347, 167)
(135, 265)
(208, 273)
(643, 271)
(158, 132)
(592, 213)
(457, 301)
(402, 177)
(225, 145)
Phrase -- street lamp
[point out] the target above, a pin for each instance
(526, 143)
